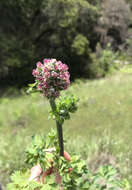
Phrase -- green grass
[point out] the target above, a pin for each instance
(101, 129)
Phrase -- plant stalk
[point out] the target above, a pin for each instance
(59, 128)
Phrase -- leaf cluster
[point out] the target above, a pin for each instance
(64, 106)
(107, 177)
(20, 182)
(32, 87)
(36, 152)
(74, 174)
(104, 61)
(70, 172)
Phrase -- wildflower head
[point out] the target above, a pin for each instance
(52, 76)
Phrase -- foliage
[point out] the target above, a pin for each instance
(37, 154)
(127, 69)
(103, 62)
(107, 177)
(80, 45)
(67, 30)
(44, 28)
(65, 106)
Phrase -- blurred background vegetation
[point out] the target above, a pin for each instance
(74, 31)
(95, 39)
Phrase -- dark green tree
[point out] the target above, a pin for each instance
(31, 30)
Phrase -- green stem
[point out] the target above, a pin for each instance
(59, 128)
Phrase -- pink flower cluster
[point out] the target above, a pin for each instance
(52, 76)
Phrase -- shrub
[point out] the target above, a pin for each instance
(103, 62)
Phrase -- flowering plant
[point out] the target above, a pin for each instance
(52, 76)
(48, 165)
